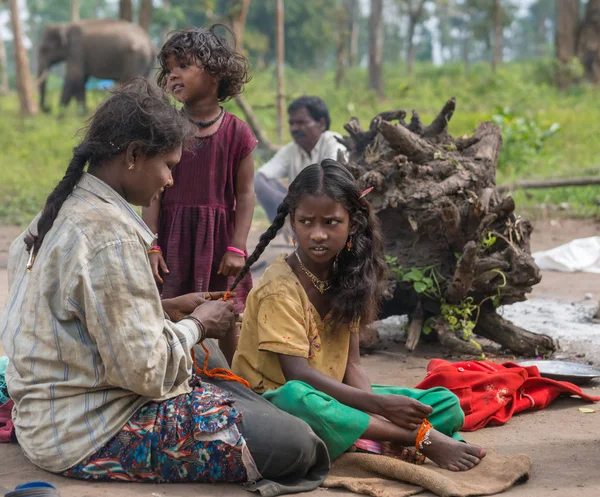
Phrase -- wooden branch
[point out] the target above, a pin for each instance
(393, 115)
(449, 340)
(510, 336)
(252, 121)
(551, 183)
(452, 223)
(413, 334)
(407, 143)
(488, 141)
(486, 264)
(449, 186)
(440, 123)
(463, 274)
(416, 126)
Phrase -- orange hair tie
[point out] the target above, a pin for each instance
(219, 373)
(422, 438)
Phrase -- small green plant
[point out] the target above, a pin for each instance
(460, 316)
(394, 267)
(488, 240)
(424, 280)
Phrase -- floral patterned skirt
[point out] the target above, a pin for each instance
(190, 438)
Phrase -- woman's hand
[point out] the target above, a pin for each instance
(217, 316)
(403, 411)
(179, 307)
(158, 265)
(231, 264)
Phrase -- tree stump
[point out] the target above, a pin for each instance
(455, 248)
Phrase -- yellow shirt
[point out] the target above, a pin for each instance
(280, 319)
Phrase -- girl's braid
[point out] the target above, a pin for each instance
(81, 155)
(282, 212)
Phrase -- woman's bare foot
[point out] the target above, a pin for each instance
(397, 451)
(451, 454)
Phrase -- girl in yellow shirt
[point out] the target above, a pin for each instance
(299, 344)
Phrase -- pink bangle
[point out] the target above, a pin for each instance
(237, 251)
(156, 248)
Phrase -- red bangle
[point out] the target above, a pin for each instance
(155, 248)
(237, 251)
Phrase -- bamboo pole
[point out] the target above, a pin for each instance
(75, 10)
(551, 183)
(279, 13)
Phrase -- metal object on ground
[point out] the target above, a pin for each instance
(572, 372)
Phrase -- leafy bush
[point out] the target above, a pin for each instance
(522, 137)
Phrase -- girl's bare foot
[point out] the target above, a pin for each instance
(452, 454)
(398, 451)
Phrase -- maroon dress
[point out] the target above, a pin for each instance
(197, 214)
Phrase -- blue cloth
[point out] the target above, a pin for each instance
(99, 84)
(4, 398)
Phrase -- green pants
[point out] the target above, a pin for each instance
(339, 426)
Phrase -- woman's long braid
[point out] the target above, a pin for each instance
(81, 155)
(282, 212)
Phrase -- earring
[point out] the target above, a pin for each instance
(349, 245)
(294, 241)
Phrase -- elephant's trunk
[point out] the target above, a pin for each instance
(42, 77)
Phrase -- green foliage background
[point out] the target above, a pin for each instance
(35, 152)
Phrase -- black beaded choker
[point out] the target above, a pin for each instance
(206, 124)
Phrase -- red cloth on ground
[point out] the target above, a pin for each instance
(6, 425)
(197, 214)
(491, 393)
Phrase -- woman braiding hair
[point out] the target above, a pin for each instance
(101, 369)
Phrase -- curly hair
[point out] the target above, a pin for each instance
(211, 52)
(358, 284)
(137, 112)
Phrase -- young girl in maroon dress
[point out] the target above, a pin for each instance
(204, 219)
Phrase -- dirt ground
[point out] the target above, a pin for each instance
(563, 443)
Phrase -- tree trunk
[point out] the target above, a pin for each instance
(125, 10)
(167, 28)
(588, 46)
(376, 47)
(354, 27)
(540, 38)
(24, 81)
(567, 24)
(145, 18)
(414, 17)
(3, 69)
(74, 10)
(410, 48)
(456, 246)
(239, 24)
(279, 13)
(497, 57)
(342, 42)
(465, 54)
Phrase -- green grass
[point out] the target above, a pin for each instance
(35, 152)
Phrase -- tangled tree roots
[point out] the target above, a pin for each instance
(457, 250)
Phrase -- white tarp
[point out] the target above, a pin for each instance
(582, 254)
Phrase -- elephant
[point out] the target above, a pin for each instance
(105, 49)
